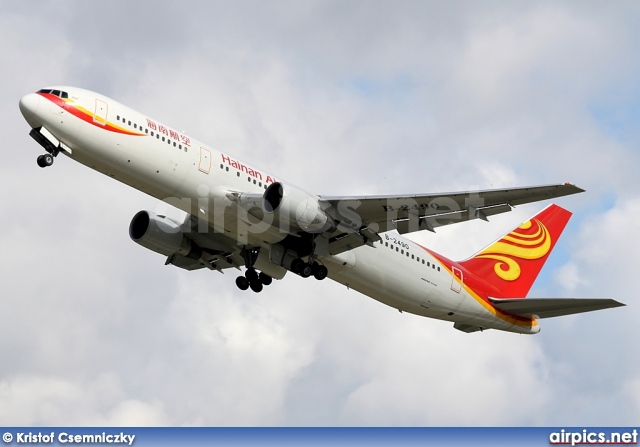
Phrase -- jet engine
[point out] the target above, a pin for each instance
(296, 207)
(162, 235)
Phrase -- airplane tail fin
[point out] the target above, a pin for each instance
(513, 262)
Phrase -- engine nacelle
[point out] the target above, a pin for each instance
(162, 235)
(296, 207)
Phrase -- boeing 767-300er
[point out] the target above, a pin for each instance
(239, 216)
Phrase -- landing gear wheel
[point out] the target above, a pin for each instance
(265, 279)
(45, 160)
(305, 271)
(256, 286)
(252, 275)
(296, 265)
(242, 283)
(320, 272)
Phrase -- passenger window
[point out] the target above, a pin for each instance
(135, 126)
(146, 131)
(227, 168)
(423, 261)
(152, 133)
(129, 123)
(118, 118)
(238, 173)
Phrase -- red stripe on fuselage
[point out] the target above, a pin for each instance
(86, 117)
(481, 288)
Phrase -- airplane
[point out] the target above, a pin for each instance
(242, 217)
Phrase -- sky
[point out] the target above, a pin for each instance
(340, 98)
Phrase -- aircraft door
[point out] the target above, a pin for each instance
(457, 279)
(205, 160)
(100, 115)
(432, 300)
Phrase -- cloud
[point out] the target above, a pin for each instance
(50, 400)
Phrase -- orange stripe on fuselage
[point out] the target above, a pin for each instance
(86, 115)
(481, 297)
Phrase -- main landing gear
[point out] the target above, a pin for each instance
(254, 280)
(306, 269)
(45, 160)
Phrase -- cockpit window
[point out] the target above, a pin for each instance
(57, 93)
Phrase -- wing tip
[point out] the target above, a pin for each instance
(574, 186)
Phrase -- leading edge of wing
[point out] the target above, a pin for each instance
(548, 191)
(552, 307)
(408, 213)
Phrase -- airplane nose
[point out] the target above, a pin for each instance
(29, 105)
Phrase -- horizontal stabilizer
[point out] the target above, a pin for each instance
(552, 307)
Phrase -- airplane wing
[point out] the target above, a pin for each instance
(552, 307)
(219, 251)
(366, 216)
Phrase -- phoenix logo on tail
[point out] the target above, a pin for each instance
(512, 263)
(518, 244)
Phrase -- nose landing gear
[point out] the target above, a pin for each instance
(45, 160)
(50, 143)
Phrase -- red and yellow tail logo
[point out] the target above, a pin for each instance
(513, 262)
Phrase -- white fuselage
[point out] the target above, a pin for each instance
(198, 179)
